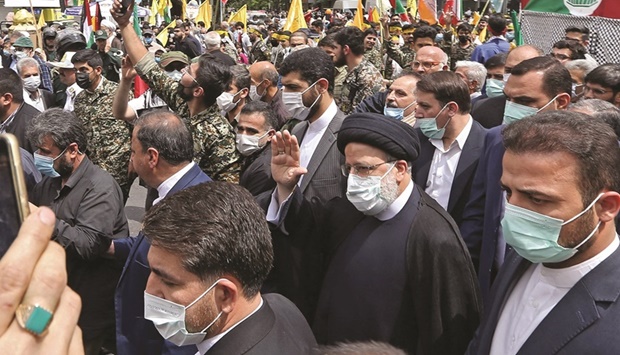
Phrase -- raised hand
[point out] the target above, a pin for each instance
(127, 70)
(285, 168)
(121, 18)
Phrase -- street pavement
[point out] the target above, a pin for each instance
(134, 208)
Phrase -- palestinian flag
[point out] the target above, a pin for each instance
(602, 8)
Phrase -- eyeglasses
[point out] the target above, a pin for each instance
(579, 88)
(361, 170)
(559, 56)
(186, 71)
(587, 89)
(425, 65)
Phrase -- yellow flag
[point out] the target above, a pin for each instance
(42, 22)
(358, 20)
(295, 19)
(205, 13)
(164, 34)
(153, 15)
(413, 8)
(241, 15)
(161, 6)
(482, 36)
(476, 18)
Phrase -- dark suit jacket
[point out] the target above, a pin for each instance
(256, 177)
(489, 112)
(476, 99)
(464, 175)
(134, 334)
(276, 328)
(324, 178)
(585, 321)
(20, 124)
(48, 99)
(482, 214)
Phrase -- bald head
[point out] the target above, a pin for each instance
(430, 59)
(263, 70)
(520, 54)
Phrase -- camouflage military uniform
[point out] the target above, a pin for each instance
(339, 74)
(109, 139)
(279, 54)
(401, 55)
(229, 48)
(214, 140)
(374, 57)
(363, 81)
(260, 51)
(457, 53)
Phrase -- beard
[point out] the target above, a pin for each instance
(205, 313)
(389, 188)
(182, 94)
(65, 168)
(340, 60)
(576, 231)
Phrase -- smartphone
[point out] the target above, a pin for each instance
(13, 194)
(125, 4)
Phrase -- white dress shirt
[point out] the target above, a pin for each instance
(36, 103)
(72, 92)
(534, 296)
(443, 166)
(169, 183)
(313, 135)
(208, 343)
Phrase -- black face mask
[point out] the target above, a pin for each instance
(83, 80)
(464, 39)
(182, 94)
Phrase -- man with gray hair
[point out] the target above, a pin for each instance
(213, 41)
(30, 73)
(579, 69)
(473, 74)
(88, 204)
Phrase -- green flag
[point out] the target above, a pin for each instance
(517, 28)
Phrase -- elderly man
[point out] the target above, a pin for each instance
(213, 41)
(578, 70)
(256, 126)
(264, 87)
(451, 141)
(108, 138)
(193, 97)
(400, 102)
(210, 252)
(89, 213)
(429, 59)
(389, 248)
(161, 155)
(24, 48)
(561, 181)
(473, 74)
(30, 73)
(362, 79)
(535, 85)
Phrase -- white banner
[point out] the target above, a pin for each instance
(35, 3)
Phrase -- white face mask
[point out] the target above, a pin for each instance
(169, 319)
(254, 93)
(174, 75)
(294, 103)
(247, 145)
(32, 83)
(225, 101)
(367, 195)
(20, 55)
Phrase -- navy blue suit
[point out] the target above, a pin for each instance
(483, 212)
(134, 334)
(464, 175)
(490, 48)
(585, 321)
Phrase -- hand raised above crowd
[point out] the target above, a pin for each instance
(285, 163)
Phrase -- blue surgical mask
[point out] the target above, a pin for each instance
(45, 165)
(510, 36)
(148, 40)
(495, 88)
(535, 236)
(514, 112)
(429, 128)
(396, 112)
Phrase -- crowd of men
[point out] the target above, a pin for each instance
(407, 188)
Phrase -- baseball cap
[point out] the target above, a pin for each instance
(174, 56)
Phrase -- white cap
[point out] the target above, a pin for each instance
(65, 62)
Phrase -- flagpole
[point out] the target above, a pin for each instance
(38, 30)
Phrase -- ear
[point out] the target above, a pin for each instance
(227, 293)
(616, 99)
(98, 70)
(6, 99)
(445, 67)
(453, 108)
(244, 93)
(73, 150)
(153, 157)
(401, 167)
(323, 85)
(198, 91)
(563, 100)
(473, 84)
(608, 206)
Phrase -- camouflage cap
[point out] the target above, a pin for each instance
(174, 56)
(101, 34)
(24, 42)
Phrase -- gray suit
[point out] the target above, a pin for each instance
(324, 178)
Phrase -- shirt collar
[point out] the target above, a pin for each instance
(392, 210)
(164, 188)
(460, 140)
(323, 121)
(7, 122)
(207, 344)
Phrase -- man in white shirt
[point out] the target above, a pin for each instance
(210, 252)
(450, 141)
(66, 73)
(558, 293)
(30, 73)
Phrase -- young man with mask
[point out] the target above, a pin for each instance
(256, 126)
(422, 37)
(210, 253)
(233, 100)
(450, 141)
(535, 85)
(109, 139)
(557, 291)
(462, 48)
(264, 87)
(30, 73)
(385, 253)
(193, 98)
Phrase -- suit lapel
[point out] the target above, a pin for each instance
(185, 180)
(469, 156)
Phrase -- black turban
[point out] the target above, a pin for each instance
(392, 136)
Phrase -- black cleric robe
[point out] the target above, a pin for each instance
(407, 281)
